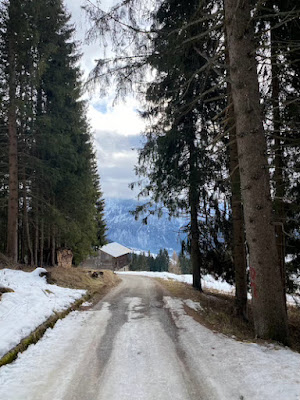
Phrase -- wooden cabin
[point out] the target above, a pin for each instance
(112, 256)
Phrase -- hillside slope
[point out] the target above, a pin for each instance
(158, 233)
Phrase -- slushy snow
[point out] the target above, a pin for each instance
(230, 369)
(30, 304)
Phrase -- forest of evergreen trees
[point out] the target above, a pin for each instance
(222, 143)
(147, 262)
(50, 194)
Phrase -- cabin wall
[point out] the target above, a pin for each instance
(106, 261)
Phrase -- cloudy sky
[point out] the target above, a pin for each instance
(116, 128)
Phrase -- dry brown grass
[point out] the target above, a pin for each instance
(79, 278)
(294, 327)
(4, 290)
(219, 313)
(6, 262)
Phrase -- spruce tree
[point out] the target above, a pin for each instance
(101, 225)
(12, 45)
(53, 177)
(281, 105)
(180, 168)
(270, 317)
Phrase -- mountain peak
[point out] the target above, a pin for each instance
(158, 233)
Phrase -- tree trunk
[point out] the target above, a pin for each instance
(42, 240)
(195, 251)
(12, 224)
(53, 248)
(278, 171)
(238, 228)
(269, 312)
(25, 220)
(238, 233)
(22, 247)
(36, 241)
(194, 199)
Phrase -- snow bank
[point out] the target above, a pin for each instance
(32, 303)
(207, 281)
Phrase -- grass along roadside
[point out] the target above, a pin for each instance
(218, 313)
(80, 278)
(5, 290)
(74, 278)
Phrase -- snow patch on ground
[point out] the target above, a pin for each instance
(86, 304)
(32, 303)
(49, 365)
(207, 281)
(237, 370)
(193, 305)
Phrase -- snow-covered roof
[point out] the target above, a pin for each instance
(115, 249)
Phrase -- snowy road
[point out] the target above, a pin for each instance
(137, 356)
(127, 348)
(139, 344)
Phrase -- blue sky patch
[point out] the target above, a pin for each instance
(101, 107)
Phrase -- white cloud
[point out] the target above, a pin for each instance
(116, 128)
(116, 171)
(117, 155)
(122, 119)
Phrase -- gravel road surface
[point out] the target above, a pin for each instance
(138, 356)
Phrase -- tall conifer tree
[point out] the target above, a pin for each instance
(270, 317)
(53, 176)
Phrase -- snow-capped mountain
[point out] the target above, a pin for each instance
(157, 234)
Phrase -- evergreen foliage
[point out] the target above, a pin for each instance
(143, 262)
(182, 102)
(59, 193)
(185, 264)
(101, 225)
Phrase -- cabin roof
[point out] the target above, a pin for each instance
(115, 249)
